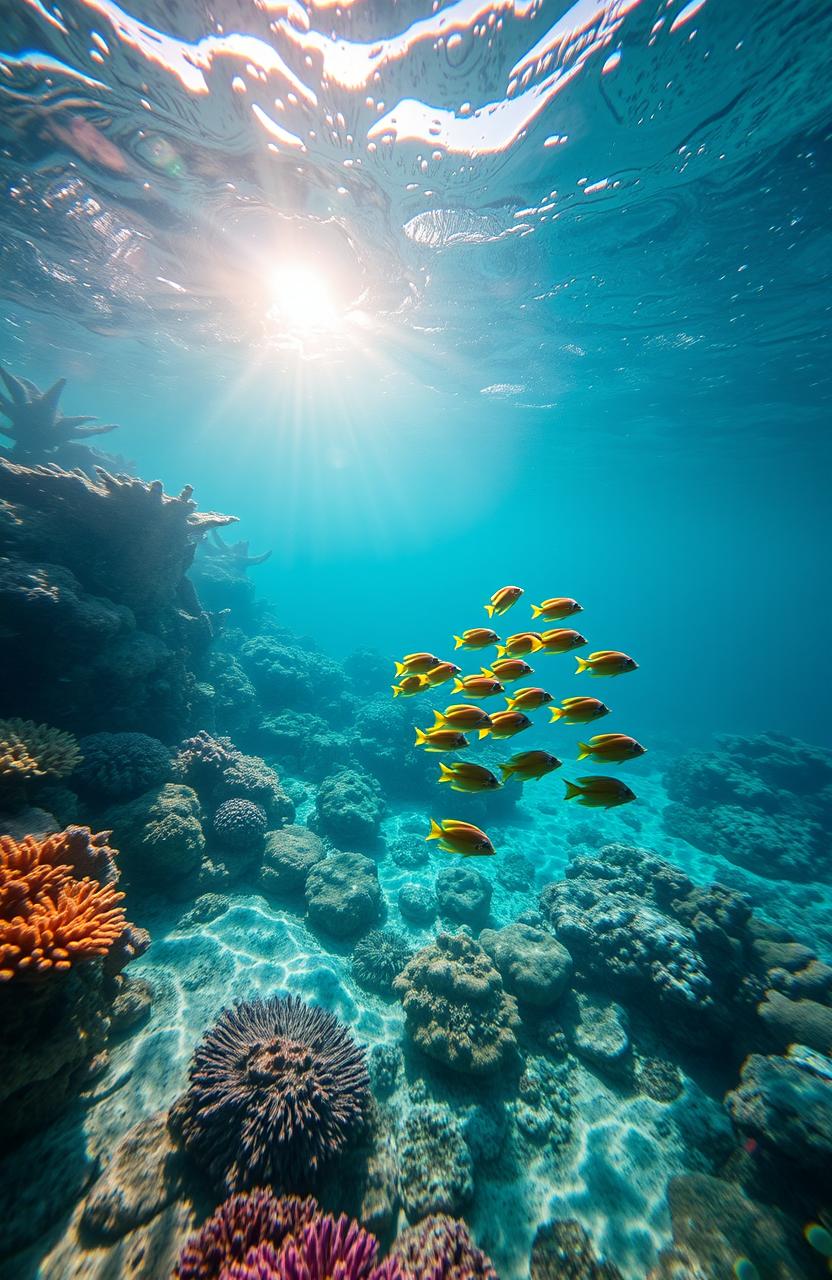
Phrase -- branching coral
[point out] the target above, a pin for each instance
(242, 1222)
(201, 759)
(326, 1248)
(29, 750)
(276, 1088)
(35, 424)
(49, 919)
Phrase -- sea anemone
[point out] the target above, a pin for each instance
(276, 1088)
(29, 750)
(379, 957)
(239, 824)
(241, 1223)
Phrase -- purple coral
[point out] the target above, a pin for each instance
(240, 1224)
(276, 1088)
(325, 1248)
(440, 1248)
(203, 758)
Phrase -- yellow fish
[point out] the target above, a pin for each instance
(530, 699)
(416, 663)
(598, 792)
(504, 724)
(461, 716)
(556, 608)
(579, 710)
(442, 673)
(476, 638)
(606, 662)
(502, 600)
(508, 669)
(478, 686)
(461, 838)
(518, 644)
(464, 776)
(408, 685)
(527, 765)
(441, 740)
(611, 748)
(561, 640)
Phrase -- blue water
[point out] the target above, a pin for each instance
(434, 298)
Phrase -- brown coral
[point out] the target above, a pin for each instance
(29, 750)
(49, 917)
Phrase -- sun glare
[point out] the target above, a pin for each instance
(302, 300)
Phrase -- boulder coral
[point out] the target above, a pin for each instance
(343, 895)
(349, 808)
(463, 894)
(441, 1248)
(457, 1010)
(562, 1250)
(289, 856)
(250, 778)
(277, 1088)
(119, 766)
(240, 825)
(436, 1172)
(534, 966)
(160, 836)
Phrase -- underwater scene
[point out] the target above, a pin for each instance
(415, 619)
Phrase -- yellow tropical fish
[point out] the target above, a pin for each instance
(504, 724)
(527, 765)
(606, 662)
(502, 600)
(556, 608)
(461, 716)
(416, 664)
(561, 640)
(441, 740)
(465, 776)
(442, 673)
(508, 669)
(579, 710)
(516, 645)
(598, 792)
(408, 685)
(611, 748)
(476, 638)
(461, 838)
(478, 686)
(530, 699)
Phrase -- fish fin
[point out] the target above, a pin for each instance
(421, 738)
(485, 732)
(396, 690)
(400, 668)
(557, 714)
(572, 790)
(435, 832)
(537, 612)
(511, 703)
(486, 671)
(438, 720)
(501, 650)
(445, 774)
(458, 686)
(584, 751)
(458, 642)
(582, 665)
(506, 770)
(489, 609)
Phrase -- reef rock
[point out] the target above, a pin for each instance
(458, 1011)
(160, 837)
(250, 778)
(463, 894)
(417, 903)
(143, 1176)
(441, 1247)
(534, 966)
(436, 1173)
(597, 1031)
(288, 858)
(343, 895)
(349, 808)
(120, 766)
(562, 1250)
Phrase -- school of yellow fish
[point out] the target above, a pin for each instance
(418, 672)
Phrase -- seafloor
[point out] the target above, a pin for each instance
(618, 1026)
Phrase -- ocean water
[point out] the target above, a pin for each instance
(430, 299)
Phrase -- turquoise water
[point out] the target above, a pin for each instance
(434, 298)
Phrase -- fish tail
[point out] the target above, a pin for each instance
(582, 665)
(458, 686)
(489, 609)
(485, 732)
(511, 703)
(438, 720)
(421, 738)
(435, 832)
(445, 774)
(536, 611)
(400, 668)
(458, 642)
(396, 690)
(583, 751)
(506, 770)
(501, 650)
(556, 713)
(572, 790)
(486, 671)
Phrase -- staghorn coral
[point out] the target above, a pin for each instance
(276, 1089)
(379, 957)
(29, 750)
(35, 424)
(119, 766)
(457, 1009)
(239, 824)
(440, 1248)
(242, 1222)
(48, 917)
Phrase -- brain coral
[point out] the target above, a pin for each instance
(29, 750)
(276, 1088)
(457, 1009)
(250, 778)
(116, 766)
(440, 1248)
(242, 1222)
(239, 824)
(49, 918)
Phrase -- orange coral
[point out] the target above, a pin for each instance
(49, 917)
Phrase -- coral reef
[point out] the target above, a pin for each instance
(463, 894)
(39, 432)
(343, 895)
(385, 1065)
(562, 1250)
(543, 1108)
(417, 903)
(381, 742)
(199, 761)
(379, 957)
(323, 1249)
(349, 808)
(289, 676)
(160, 837)
(304, 743)
(436, 1172)
(458, 1012)
(240, 825)
(29, 750)
(233, 701)
(120, 766)
(276, 1089)
(440, 1247)
(598, 1031)
(764, 803)
(289, 856)
(534, 966)
(242, 1222)
(250, 778)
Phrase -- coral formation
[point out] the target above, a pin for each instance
(343, 895)
(349, 807)
(276, 1089)
(534, 966)
(598, 1031)
(250, 778)
(289, 676)
(160, 836)
(29, 750)
(543, 1108)
(39, 432)
(417, 903)
(379, 957)
(240, 824)
(242, 1222)
(119, 766)
(436, 1172)
(463, 894)
(199, 761)
(323, 1249)
(562, 1250)
(439, 1247)
(290, 854)
(458, 1012)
